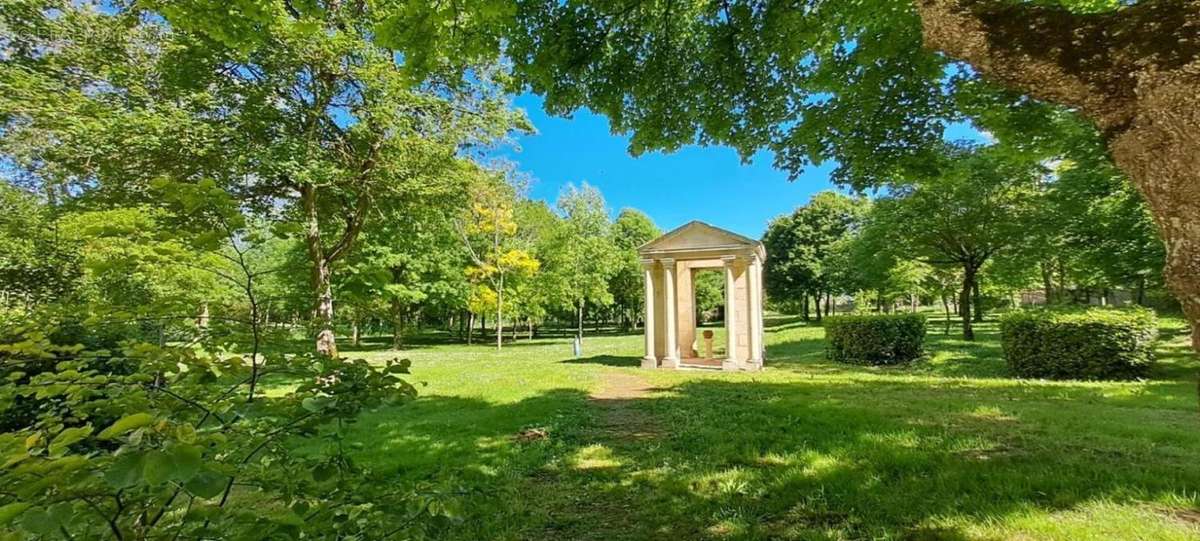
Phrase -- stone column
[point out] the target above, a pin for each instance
(754, 288)
(731, 323)
(649, 361)
(671, 359)
(762, 303)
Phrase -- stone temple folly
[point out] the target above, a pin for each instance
(670, 263)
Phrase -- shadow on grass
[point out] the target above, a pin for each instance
(751, 460)
(607, 360)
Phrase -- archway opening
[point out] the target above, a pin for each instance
(708, 305)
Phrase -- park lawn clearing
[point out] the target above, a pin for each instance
(532, 444)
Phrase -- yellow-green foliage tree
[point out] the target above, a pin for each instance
(489, 232)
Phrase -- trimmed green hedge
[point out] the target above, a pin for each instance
(874, 339)
(1083, 344)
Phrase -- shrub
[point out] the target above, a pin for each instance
(1081, 344)
(874, 339)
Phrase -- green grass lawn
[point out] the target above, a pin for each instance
(946, 448)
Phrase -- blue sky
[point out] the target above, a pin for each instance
(695, 183)
(710, 184)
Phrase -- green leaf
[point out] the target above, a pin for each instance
(125, 471)
(206, 484)
(64, 439)
(12, 511)
(185, 461)
(186, 433)
(125, 424)
(314, 403)
(61, 513)
(38, 521)
(157, 468)
(14, 459)
(323, 472)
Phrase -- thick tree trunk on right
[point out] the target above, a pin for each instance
(1161, 152)
(1134, 71)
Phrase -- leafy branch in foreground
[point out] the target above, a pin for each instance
(159, 442)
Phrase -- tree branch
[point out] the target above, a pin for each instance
(1090, 61)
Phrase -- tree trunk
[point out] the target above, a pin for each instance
(202, 319)
(321, 274)
(1133, 71)
(1047, 281)
(804, 307)
(977, 301)
(500, 313)
(354, 339)
(470, 326)
(1141, 291)
(817, 305)
(946, 308)
(323, 314)
(531, 328)
(964, 301)
(579, 323)
(397, 324)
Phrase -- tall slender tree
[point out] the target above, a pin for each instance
(631, 229)
(583, 257)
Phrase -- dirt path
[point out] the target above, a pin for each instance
(620, 418)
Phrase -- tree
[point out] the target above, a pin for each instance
(489, 232)
(800, 248)
(873, 84)
(582, 257)
(906, 280)
(537, 229)
(410, 259)
(631, 229)
(297, 110)
(960, 218)
(708, 290)
(37, 264)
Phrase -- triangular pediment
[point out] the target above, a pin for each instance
(699, 236)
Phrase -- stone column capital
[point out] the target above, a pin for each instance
(647, 263)
(667, 262)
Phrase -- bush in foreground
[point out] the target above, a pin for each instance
(875, 339)
(1083, 344)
